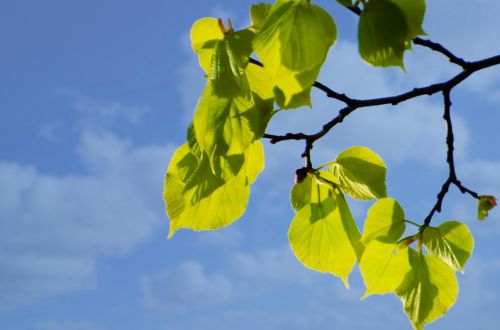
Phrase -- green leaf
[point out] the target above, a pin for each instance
(361, 173)
(350, 226)
(223, 56)
(258, 14)
(451, 241)
(346, 3)
(302, 99)
(293, 43)
(307, 192)
(328, 178)
(385, 222)
(382, 33)
(322, 234)
(254, 161)
(204, 30)
(414, 11)
(485, 204)
(226, 126)
(229, 60)
(260, 82)
(428, 290)
(198, 199)
(383, 267)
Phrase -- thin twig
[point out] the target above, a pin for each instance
(441, 49)
(450, 148)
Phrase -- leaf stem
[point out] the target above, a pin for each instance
(413, 223)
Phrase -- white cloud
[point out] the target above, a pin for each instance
(53, 228)
(274, 266)
(184, 288)
(94, 114)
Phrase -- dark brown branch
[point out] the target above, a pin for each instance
(452, 175)
(354, 104)
(440, 49)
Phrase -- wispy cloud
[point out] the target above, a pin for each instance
(184, 288)
(53, 228)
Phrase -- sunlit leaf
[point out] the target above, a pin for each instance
(198, 199)
(223, 56)
(428, 290)
(293, 43)
(307, 192)
(260, 82)
(383, 267)
(451, 241)
(321, 236)
(258, 14)
(229, 60)
(361, 173)
(204, 30)
(385, 222)
(226, 126)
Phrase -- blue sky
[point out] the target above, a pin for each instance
(96, 95)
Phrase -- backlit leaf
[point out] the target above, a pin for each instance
(321, 236)
(258, 14)
(383, 267)
(361, 173)
(451, 241)
(198, 199)
(293, 43)
(307, 192)
(223, 56)
(385, 222)
(428, 290)
(226, 126)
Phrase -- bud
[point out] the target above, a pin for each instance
(485, 204)
(300, 175)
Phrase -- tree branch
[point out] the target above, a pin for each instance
(354, 104)
(452, 175)
(440, 49)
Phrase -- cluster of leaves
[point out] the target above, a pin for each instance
(207, 184)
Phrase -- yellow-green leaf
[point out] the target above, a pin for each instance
(258, 14)
(223, 56)
(204, 30)
(383, 267)
(307, 192)
(451, 241)
(428, 290)
(198, 199)
(293, 43)
(260, 82)
(361, 173)
(227, 126)
(319, 239)
(385, 222)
